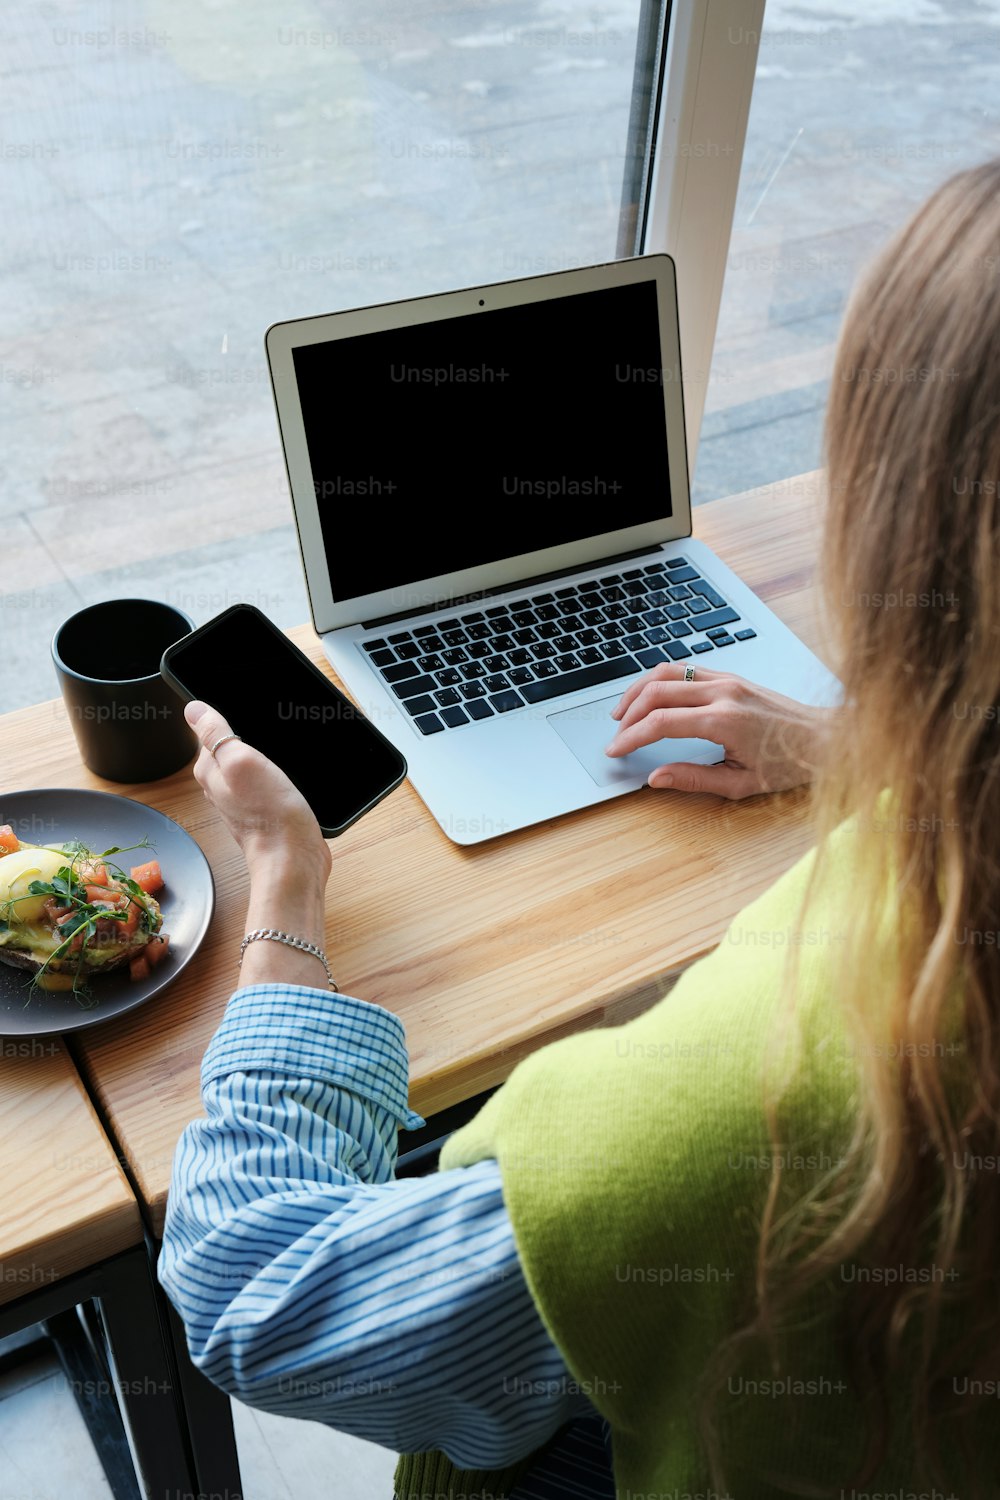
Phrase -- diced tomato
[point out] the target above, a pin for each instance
(93, 872)
(156, 951)
(138, 968)
(147, 877)
(9, 841)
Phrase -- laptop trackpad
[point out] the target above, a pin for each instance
(588, 728)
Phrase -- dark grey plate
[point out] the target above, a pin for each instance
(99, 820)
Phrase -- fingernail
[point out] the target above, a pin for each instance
(616, 711)
(194, 710)
(661, 778)
(610, 748)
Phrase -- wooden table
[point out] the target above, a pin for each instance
(485, 952)
(71, 1234)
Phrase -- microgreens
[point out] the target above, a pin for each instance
(68, 887)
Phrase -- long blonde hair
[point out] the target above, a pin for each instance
(911, 566)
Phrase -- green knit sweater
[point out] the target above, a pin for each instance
(634, 1162)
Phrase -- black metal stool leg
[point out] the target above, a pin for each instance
(149, 1399)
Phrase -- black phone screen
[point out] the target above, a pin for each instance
(276, 700)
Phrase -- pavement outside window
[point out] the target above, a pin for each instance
(175, 178)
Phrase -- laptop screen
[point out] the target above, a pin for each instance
(464, 441)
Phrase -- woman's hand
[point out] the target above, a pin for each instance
(771, 742)
(266, 814)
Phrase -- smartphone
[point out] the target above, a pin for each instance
(273, 697)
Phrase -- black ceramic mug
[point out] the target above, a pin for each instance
(129, 724)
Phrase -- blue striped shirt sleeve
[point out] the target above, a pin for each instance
(313, 1283)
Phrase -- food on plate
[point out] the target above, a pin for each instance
(68, 914)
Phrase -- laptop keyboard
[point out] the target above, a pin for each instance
(498, 658)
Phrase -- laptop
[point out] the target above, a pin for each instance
(490, 488)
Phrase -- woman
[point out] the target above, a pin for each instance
(776, 1273)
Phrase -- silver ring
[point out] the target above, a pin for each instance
(222, 741)
(688, 674)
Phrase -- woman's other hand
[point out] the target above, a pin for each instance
(771, 742)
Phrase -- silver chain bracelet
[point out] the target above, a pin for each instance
(273, 935)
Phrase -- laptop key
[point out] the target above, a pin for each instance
(478, 649)
(679, 591)
(679, 627)
(653, 617)
(592, 616)
(407, 650)
(565, 663)
(472, 690)
(610, 632)
(684, 575)
(616, 612)
(657, 635)
(383, 658)
(496, 683)
(653, 567)
(650, 657)
(454, 637)
(519, 675)
(699, 586)
(746, 635)
(700, 646)
(565, 643)
(428, 724)
(545, 669)
(613, 648)
(502, 625)
(479, 709)
(583, 677)
(413, 686)
(613, 593)
(472, 669)
(676, 611)
(715, 617)
(525, 637)
(543, 650)
(656, 598)
(724, 640)
(696, 604)
(590, 655)
(378, 645)
(566, 593)
(588, 638)
(424, 630)
(634, 642)
(400, 671)
(635, 587)
(590, 601)
(676, 650)
(503, 642)
(448, 678)
(495, 610)
(453, 655)
(633, 573)
(504, 702)
(480, 632)
(446, 697)
(547, 612)
(454, 716)
(432, 663)
(523, 617)
(542, 599)
(423, 705)
(519, 657)
(675, 562)
(495, 663)
(548, 630)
